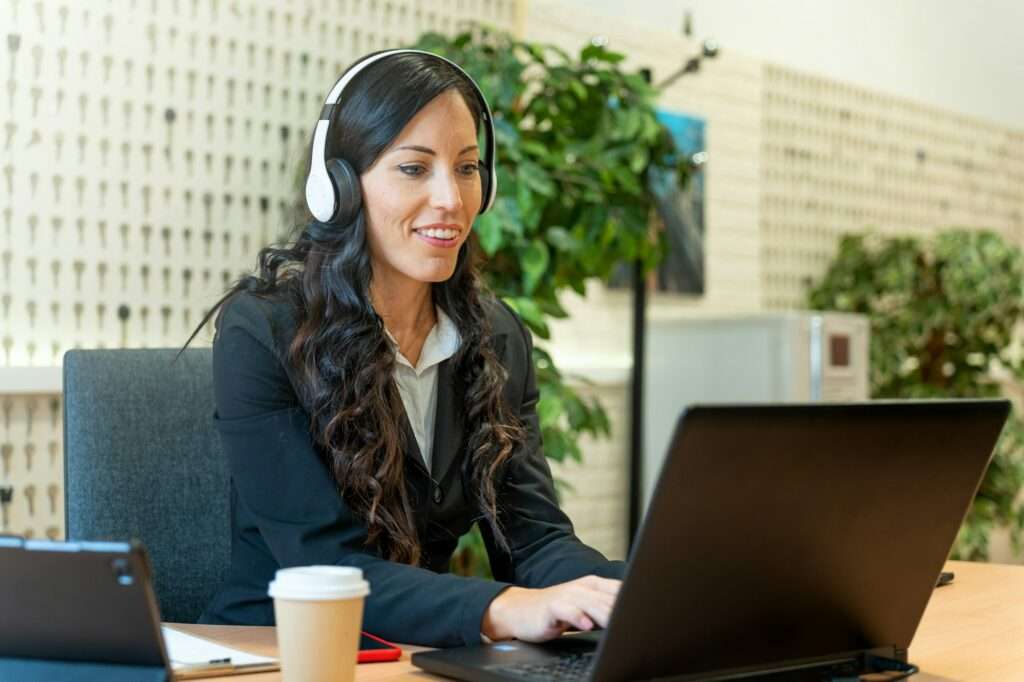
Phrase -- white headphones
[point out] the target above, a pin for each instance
(333, 192)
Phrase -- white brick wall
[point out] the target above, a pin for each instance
(599, 501)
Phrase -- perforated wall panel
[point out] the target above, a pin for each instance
(837, 158)
(150, 148)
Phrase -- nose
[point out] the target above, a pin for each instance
(445, 192)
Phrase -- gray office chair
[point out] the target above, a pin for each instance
(142, 460)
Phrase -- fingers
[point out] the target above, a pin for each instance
(567, 613)
(539, 615)
(598, 611)
(600, 594)
(591, 596)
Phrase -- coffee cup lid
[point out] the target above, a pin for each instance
(319, 583)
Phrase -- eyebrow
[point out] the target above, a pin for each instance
(428, 150)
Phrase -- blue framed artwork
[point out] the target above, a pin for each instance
(682, 209)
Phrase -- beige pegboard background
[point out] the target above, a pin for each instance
(837, 158)
(149, 150)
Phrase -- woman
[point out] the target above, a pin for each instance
(373, 404)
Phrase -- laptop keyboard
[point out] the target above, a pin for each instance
(571, 667)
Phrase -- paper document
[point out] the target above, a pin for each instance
(197, 657)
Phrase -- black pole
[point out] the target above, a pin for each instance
(636, 431)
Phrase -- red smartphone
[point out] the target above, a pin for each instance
(376, 650)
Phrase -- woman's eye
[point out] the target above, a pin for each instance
(412, 170)
(469, 168)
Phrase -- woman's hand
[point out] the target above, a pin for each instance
(537, 615)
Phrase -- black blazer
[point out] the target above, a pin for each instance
(286, 509)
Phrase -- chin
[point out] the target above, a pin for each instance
(437, 271)
(436, 277)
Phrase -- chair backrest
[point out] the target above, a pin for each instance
(143, 460)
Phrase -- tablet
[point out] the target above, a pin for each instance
(66, 605)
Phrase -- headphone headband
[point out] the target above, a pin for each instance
(321, 193)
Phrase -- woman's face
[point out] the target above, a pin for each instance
(422, 194)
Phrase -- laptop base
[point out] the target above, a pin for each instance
(525, 662)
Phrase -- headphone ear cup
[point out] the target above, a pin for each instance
(485, 186)
(348, 193)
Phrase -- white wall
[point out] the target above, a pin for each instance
(965, 57)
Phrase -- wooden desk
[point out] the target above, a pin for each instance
(972, 630)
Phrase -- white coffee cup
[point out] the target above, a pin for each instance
(319, 612)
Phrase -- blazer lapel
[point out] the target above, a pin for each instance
(450, 418)
(412, 448)
(448, 422)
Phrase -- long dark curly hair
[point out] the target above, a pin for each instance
(340, 353)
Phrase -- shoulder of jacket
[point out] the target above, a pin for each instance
(268, 320)
(501, 316)
(507, 327)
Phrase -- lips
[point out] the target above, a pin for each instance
(438, 232)
(443, 235)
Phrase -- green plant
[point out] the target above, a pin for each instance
(576, 137)
(943, 316)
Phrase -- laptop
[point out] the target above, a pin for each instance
(86, 611)
(781, 541)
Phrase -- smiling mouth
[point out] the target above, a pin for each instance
(444, 233)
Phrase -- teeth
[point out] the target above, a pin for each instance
(439, 233)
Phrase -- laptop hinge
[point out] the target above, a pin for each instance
(841, 667)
